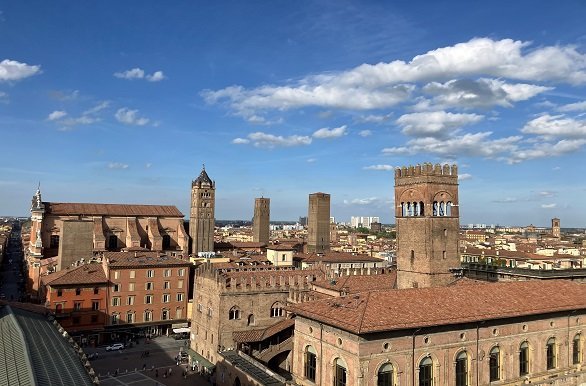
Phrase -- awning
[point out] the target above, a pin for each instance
(179, 325)
(201, 361)
(181, 330)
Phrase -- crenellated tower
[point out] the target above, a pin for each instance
(428, 224)
(201, 220)
(261, 220)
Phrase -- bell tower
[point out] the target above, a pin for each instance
(428, 224)
(201, 219)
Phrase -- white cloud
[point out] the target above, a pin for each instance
(117, 165)
(471, 145)
(265, 140)
(365, 133)
(438, 124)
(464, 176)
(311, 160)
(330, 133)
(361, 201)
(97, 108)
(547, 194)
(383, 85)
(130, 117)
(547, 149)
(11, 70)
(379, 167)
(506, 200)
(579, 106)
(55, 115)
(373, 118)
(156, 76)
(480, 93)
(556, 126)
(139, 73)
(83, 120)
(240, 141)
(548, 206)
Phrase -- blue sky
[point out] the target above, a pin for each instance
(121, 102)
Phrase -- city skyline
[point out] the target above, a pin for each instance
(115, 103)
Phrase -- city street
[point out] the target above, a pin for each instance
(11, 276)
(125, 367)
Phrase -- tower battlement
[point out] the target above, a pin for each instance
(427, 169)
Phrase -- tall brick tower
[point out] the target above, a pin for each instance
(261, 220)
(201, 220)
(555, 227)
(428, 224)
(318, 223)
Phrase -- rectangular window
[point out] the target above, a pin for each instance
(340, 376)
(116, 275)
(131, 286)
(77, 306)
(181, 272)
(148, 299)
(310, 365)
(77, 291)
(148, 316)
(494, 366)
(151, 273)
(54, 242)
(116, 287)
(178, 313)
(166, 298)
(524, 361)
(179, 283)
(130, 317)
(59, 292)
(132, 274)
(576, 352)
(149, 286)
(166, 285)
(96, 291)
(200, 307)
(116, 301)
(130, 300)
(95, 305)
(180, 297)
(115, 318)
(209, 312)
(167, 273)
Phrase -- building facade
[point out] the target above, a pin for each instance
(555, 227)
(202, 220)
(318, 223)
(261, 220)
(427, 218)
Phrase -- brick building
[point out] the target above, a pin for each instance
(318, 223)
(261, 220)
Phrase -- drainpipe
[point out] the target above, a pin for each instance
(321, 353)
(478, 351)
(413, 357)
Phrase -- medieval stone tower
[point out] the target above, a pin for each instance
(318, 223)
(555, 227)
(428, 224)
(201, 220)
(261, 220)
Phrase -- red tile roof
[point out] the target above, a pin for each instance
(84, 274)
(338, 257)
(66, 208)
(263, 333)
(359, 283)
(387, 310)
(142, 259)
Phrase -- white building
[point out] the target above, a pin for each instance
(361, 221)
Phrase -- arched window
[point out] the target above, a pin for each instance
(421, 208)
(448, 208)
(112, 242)
(166, 242)
(58, 308)
(426, 372)
(385, 375)
(462, 369)
(403, 209)
(340, 372)
(276, 310)
(495, 364)
(442, 208)
(435, 208)
(251, 320)
(524, 359)
(310, 363)
(234, 313)
(576, 350)
(551, 353)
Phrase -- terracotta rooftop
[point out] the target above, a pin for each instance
(137, 259)
(247, 244)
(337, 257)
(84, 274)
(263, 333)
(359, 283)
(67, 208)
(387, 310)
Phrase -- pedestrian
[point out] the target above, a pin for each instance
(116, 373)
(170, 370)
(144, 367)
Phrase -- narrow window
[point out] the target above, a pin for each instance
(385, 375)
(78, 291)
(462, 369)
(421, 208)
(551, 354)
(310, 363)
(340, 373)
(576, 352)
(426, 372)
(234, 313)
(494, 364)
(524, 359)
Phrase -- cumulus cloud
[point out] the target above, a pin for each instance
(117, 165)
(55, 115)
(11, 70)
(547, 149)
(139, 73)
(130, 117)
(479, 93)
(379, 167)
(556, 126)
(326, 133)
(365, 133)
(375, 86)
(265, 140)
(437, 124)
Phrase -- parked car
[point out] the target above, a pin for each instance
(115, 347)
